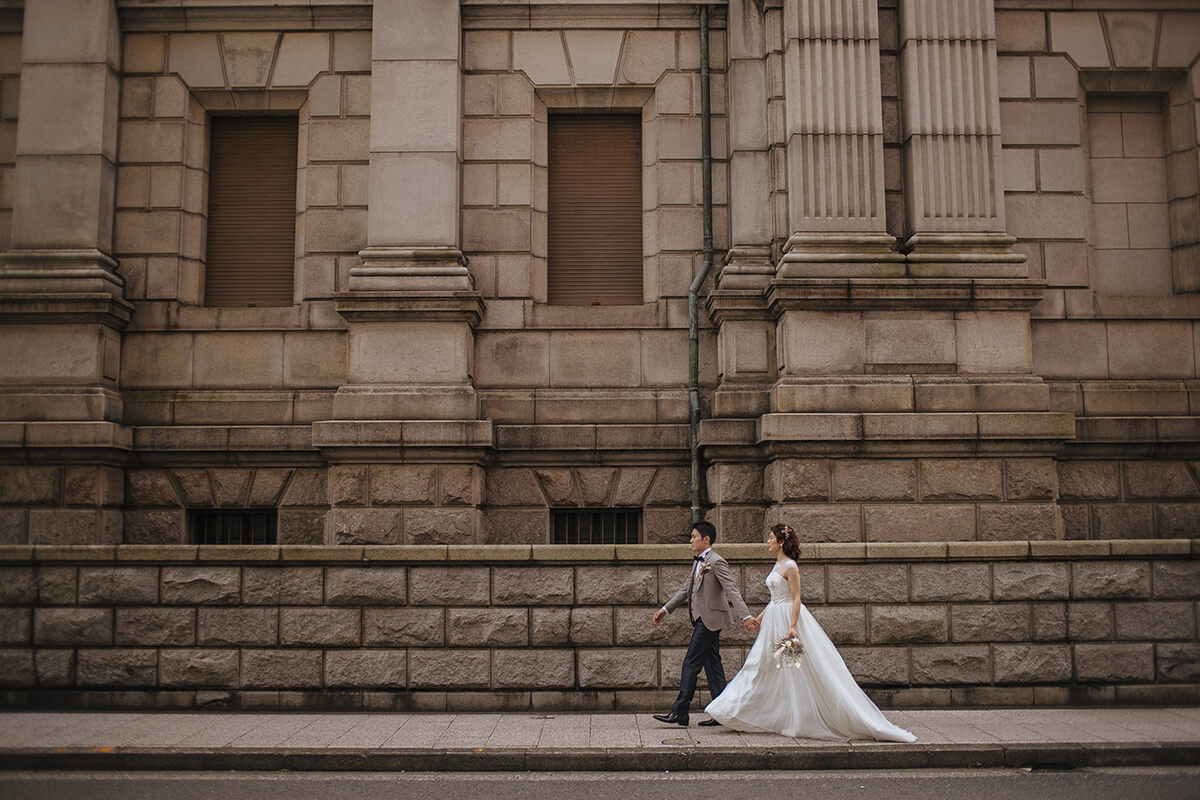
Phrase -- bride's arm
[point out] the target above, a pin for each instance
(793, 579)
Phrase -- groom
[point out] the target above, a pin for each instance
(709, 593)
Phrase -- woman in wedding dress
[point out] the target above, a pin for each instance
(818, 699)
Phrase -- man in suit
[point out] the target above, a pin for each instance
(712, 599)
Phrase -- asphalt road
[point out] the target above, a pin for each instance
(1153, 783)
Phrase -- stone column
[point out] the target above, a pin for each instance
(835, 142)
(61, 301)
(410, 305)
(954, 197)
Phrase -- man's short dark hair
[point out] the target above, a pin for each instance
(706, 530)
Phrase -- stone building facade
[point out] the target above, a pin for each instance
(951, 329)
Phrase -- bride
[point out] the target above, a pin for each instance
(817, 699)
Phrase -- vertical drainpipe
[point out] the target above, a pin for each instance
(694, 290)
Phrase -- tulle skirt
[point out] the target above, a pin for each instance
(819, 699)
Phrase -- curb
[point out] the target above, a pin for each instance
(837, 757)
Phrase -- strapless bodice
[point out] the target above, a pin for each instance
(778, 586)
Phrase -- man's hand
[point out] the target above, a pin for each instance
(658, 616)
(751, 624)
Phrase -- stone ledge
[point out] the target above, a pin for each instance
(175, 438)
(602, 554)
(1033, 426)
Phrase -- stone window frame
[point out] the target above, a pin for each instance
(1173, 86)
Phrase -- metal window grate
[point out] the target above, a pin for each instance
(234, 527)
(601, 526)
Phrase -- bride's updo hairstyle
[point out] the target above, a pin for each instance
(787, 540)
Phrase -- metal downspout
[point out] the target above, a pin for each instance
(694, 289)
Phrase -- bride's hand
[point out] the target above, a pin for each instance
(792, 632)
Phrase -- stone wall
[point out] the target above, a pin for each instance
(519, 627)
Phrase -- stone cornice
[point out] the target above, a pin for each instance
(285, 15)
(453, 306)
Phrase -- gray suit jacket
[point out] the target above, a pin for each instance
(714, 595)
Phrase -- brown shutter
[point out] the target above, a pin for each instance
(251, 212)
(595, 220)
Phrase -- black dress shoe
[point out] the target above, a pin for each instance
(672, 719)
(710, 723)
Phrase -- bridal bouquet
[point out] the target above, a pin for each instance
(788, 652)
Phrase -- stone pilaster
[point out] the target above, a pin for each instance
(835, 142)
(954, 197)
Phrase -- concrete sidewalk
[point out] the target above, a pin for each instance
(1051, 738)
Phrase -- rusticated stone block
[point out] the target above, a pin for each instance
(54, 668)
(100, 585)
(324, 626)
(156, 626)
(16, 667)
(307, 488)
(872, 479)
(150, 487)
(532, 586)
(395, 485)
(960, 479)
(267, 485)
(201, 585)
(380, 586)
(1114, 662)
(950, 582)
(634, 625)
(877, 666)
(735, 483)
(1160, 480)
(154, 527)
(440, 586)
(1178, 520)
(1157, 621)
(793, 480)
(618, 668)
(1176, 579)
(592, 626)
(672, 486)
(516, 527)
(558, 486)
(487, 626)
(195, 487)
(1033, 479)
(1039, 580)
(26, 484)
(459, 485)
(301, 526)
(14, 526)
(739, 523)
(237, 626)
(56, 585)
(534, 669)
(281, 669)
(293, 586)
(361, 669)
(63, 527)
(844, 624)
(1076, 521)
(125, 668)
(366, 525)
(550, 626)
(15, 625)
(99, 486)
(990, 623)
(951, 664)
(868, 583)
(403, 626)
(1105, 580)
(231, 487)
(449, 669)
(1088, 621)
(1019, 521)
(632, 485)
(195, 668)
(666, 525)
(440, 525)
(934, 522)
(513, 487)
(1088, 480)
(1178, 662)
(1037, 663)
(347, 485)
(613, 585)
(1122, 521)
(901, 624)
(1049, 621)
(821, 522)
(77, 626)
(17, 585)
(595, 484)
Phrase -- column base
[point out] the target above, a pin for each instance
(841, 255)
(86, 271)
(963, 255)
(411, 268)
(747, 267)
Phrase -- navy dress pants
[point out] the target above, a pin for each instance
(703, 651)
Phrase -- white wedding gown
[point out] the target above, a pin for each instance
(817, 700)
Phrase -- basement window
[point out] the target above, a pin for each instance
(595, 526)
(240, 526)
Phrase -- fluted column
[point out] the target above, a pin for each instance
(954, 198)
(835, 142)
